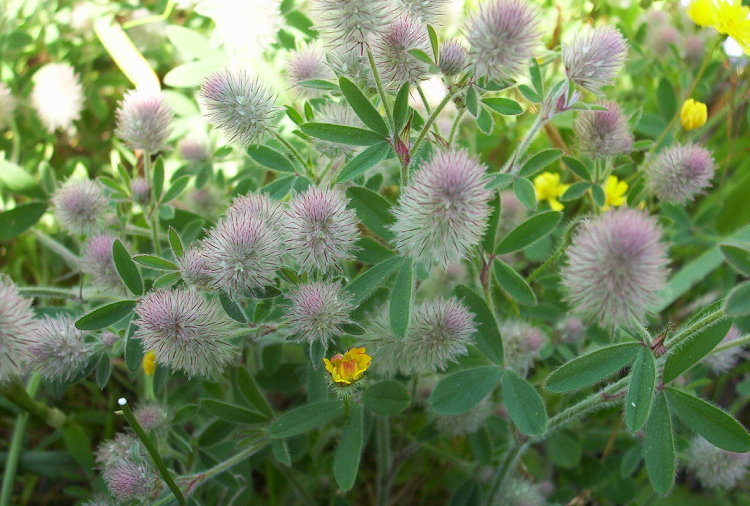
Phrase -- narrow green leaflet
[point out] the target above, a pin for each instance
(304, 418)
(372, 209)
(158, 179)
(349, 450)
(386, 398)
(232, 413)
(504, 106)
(736, 256)
(342, 134)
(738, 300)
(270, 158)
(433, 42)
(524, 404)
(362, 107)
(713, 423)
(176, 188)
(126, 268)
(577, 167)
(591, 368)
(539, 161)
(252, 393)
(155, 262)
(372, 278)
(487, 337)
(693, 348)
(401, 107)
(19, 219)
(658, 447)
(175, 242)
(513, 283)
(524, 191)
(488, 241)
(106, 315)
(640, 390)
(366, 159)
(457, 393)
(528, 232)
(400, 303)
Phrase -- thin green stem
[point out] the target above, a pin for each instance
(53, 292)
(16, 393)
(153, 219)
(697, 326)
(151, 19)
(740, 341)
(511, 166)
(381, 92)
(288, 145)
(16, 445)
(424, 99)
(152, 451)
(454, 126)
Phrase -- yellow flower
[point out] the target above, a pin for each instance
(614, 192)
(702, 12)
(693, 114)
(729, 17)
(149, 363)
(547, 187)
(349, 367)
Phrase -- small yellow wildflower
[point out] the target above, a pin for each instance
(693, 114)
(547, 187)
(149, 363)
(349, 367)
(614, 192)
(702, 12)
(728, 17)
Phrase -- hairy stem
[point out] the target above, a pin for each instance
(16, 393)
(511, 166)
(288, 145)
(381, 92)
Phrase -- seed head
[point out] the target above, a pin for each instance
(392, 48)
(243, 252)
(443, 211)
(467, 423)
(307, 64)
(594, 57)
(98, 263)
(424, 11)
(680, 173)
(714, 467)
(60, 350)
(521, 345)
(122, 447)
(725, 360)
(193, 149)
(353, 65)
(336, 113)
(80, 205)
(321, 231)
(502, 35)
(128, 481)
(603, 133)
(140, 190)
(452, 58)
(660, 37)
(7, 106)
(571, 329)
(616, 265)
(194, 268)
(57, 96)
(150, 416)
(261, 207)
(319, 311)
(143, 119)
(16, 330)
(238, 105)
(347, 24)
(187, 332)
(520, 492)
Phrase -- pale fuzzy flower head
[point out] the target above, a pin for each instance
(307, 64)
(243, 253)
(193, 149)
(424, 11)
(443, 211)
(319, 311)
(259, 206)
(336, 113)
(7, 106)
(452, 57)
(143, 120)
(661, 37)
(98, 263)
(348, 24)
(616, 265)
(694, 46)
(603, 133)
(466, 423)
(714, 467)
(122, 447)
(187, 332)
(353, 65)
(521, 345)
(100, 500)
(57, 96)
(725, 360)
(440, 331)
(391, 49)
(140, 190)
(16, 330)
(321, 231)
(130, 481)
(109, 338)
(206, 201)
(502, 36)
(150, 415)
(193, 266)
(680, 172)
(520, 492)
(238, 105)
(572, 329)
(60, 350)
(594, 57)
(79, 206)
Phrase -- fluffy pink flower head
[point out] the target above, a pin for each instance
(307, 64)
(193, 149)
(259, 206)
(80, 205)
(97, 261)
(452, 58)
(603, 133)
(150, 416)
(238, 105)
(594, 57)
(616, 265)
(16, 330)
(321, 231)
(714, 467)
(424, 11)
(502, 35)
(143, 120)
(680, 173)
(348, 24)
(59, 351)
(391, 48)
(129, 481)
(187, 332)
(194, 268)
(140, 190)
(117, 449)
(725, 360)
(521, 345)
(57, 96)
(318, 311)
(443, 211)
